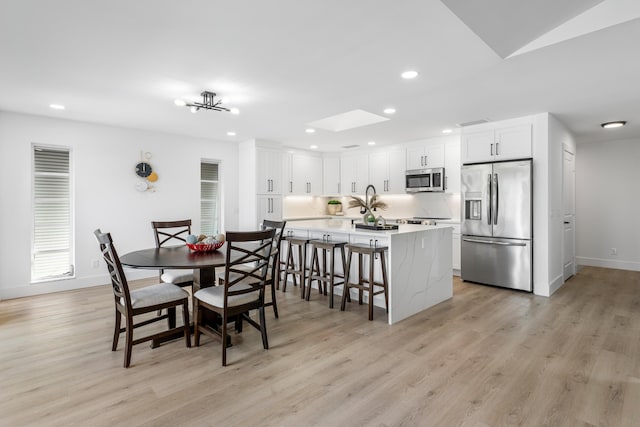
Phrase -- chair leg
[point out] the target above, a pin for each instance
(360, 282)
(273, 299)
(345, 292)
(129, 343)
(197, 320)
(263, 328)
(384, 281)
(371, 282)
(185, 319)
(116, 331)
(331, 276)
(314, 267)
(224, 339)
(171, 312)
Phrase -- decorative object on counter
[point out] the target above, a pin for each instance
(203, 243)
(367, 207)
(380, 221)
(334, 206)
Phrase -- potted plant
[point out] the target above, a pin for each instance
(334, 206)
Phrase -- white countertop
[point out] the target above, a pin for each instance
(341, 226)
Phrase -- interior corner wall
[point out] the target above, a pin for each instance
(103, 159)
(246, 176)
(559, 138)
(607, 204)
(541, 205)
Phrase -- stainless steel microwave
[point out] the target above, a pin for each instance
(421, 180)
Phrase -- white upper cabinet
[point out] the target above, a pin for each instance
(303, 174)
(421, 155)
(331, 176)
(268, 171)
(452, 165)
(354, 173)
(387, 170)
(506, 140)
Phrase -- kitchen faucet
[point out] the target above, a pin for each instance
(366, 195)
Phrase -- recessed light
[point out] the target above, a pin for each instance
(313, 147)
(180, 102)
(371, 143)
(56, 106)
(389, 110)
(410, 74)
(309, 130)
(445, 131)
(230, 133)
(234, 111)
(611, 125)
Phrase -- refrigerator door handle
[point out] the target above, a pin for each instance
(489, 200)
(496, 195)
(491, 242)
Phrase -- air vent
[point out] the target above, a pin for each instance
(350, 146)
(475, 122)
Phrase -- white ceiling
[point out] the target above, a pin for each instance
(288, 63)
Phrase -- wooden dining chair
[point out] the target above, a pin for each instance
(273, 276)
(173, 233)
(242, 290)
(131, 303)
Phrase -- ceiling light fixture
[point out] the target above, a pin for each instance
(611, 125)
(313, 147)
(209, 102)
(231, 133)
(447, 131)
(389, 110)
(56, 106)
(409, 74)
(309, 130)
(371, 143)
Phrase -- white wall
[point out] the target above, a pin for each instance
(103, 160)
(608, 203)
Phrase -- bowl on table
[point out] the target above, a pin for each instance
(205, 247)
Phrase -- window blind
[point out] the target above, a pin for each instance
(52, 228)
(209, 206)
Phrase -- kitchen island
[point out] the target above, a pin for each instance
(418, 261)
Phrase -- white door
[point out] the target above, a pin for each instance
(568, 195)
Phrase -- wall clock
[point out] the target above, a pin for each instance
(143, 169)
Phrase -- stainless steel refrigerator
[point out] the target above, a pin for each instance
(497, 224)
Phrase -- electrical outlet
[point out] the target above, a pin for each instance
(95, 263)
(614, 251)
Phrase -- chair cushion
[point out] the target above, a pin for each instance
(214, 295)
(157, 294)
(177, 276)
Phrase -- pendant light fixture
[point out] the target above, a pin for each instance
(209, 102)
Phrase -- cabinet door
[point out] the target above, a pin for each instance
(379, 170)
(415, 157)
(268, 171)
(477, 147)
(452, 167)
(331, 176)
(362, 173)
(287, 183)
(434, 156)
(268, 207)
(513, 142)
(306, 175)
(397, 169)
(348, 174)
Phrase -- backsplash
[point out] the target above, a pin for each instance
(431, 205)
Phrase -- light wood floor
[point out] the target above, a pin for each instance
(487, 357)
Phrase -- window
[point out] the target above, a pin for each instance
(209, 209)
(52, 244)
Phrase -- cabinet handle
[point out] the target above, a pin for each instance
(492, 148)
(426, 160)
(497, 145)
(290, 186)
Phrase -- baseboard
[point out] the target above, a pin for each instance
(556, 284)
(31, 289)
(609, 263)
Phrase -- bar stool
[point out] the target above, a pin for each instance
(366, 284)
(324, 276)
(301, 269)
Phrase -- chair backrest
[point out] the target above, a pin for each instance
(175, 232)
(278, 226)
(247, 248)
(118, 279)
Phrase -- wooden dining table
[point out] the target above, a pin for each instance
(203, 264)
